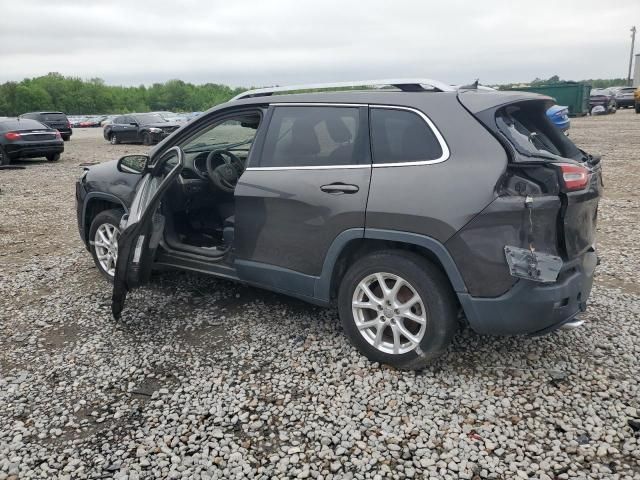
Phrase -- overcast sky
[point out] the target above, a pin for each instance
(245, 43)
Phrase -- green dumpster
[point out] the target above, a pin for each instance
(573, 95)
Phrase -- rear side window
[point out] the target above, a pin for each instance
(308, 136)
(400, 136)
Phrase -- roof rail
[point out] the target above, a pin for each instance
(406, 85)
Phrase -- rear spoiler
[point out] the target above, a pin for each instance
(476, 101)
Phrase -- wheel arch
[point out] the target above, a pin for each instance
(354, 243)
(95, 203)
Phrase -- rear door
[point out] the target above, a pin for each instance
(143, 227)
(307, 182)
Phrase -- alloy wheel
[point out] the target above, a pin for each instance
(389, 313)
(105, 243)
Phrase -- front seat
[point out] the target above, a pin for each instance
(304, 145)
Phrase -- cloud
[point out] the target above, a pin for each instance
(285, 41)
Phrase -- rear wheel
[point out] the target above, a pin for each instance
(66, 138)
(397, 308)
(637, 106)
(103, 241)
(53, 157)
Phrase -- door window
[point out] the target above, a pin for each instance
(400, 136)
(303, 136)
(234, 134)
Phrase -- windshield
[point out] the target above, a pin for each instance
(22, 124)
(148, 118)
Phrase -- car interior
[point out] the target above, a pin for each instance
(199, 212)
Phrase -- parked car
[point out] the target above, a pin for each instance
(559, 115)
(108, 120)
(624, 96)
(172, 117)
(146, 128)
(92, 122)
(57, 120)
(602, 97)
(402, 207)
(636, 99)
(26, 138)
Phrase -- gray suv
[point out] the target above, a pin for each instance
(410, 206)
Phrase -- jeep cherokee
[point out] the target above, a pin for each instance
(403, 206)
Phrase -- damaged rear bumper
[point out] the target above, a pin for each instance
(532, 307)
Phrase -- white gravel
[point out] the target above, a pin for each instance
(208, 379)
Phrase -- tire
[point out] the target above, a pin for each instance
(109, 220)
(4, 157)
(66, 138)
(637, 107)
(146, 139)
(113, 139)
(436, 305)
(53, 157)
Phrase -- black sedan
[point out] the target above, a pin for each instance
(146, 128)
(25, 138)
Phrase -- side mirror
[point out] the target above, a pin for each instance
(133, 164)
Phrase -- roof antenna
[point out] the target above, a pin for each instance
(473, 86)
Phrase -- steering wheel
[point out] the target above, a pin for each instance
(225, 176)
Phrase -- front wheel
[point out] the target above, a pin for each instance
(103, 241)
(146, 138)
(397, 308)
(113, 139)
(637, 107)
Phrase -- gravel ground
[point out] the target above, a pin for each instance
(209, 379)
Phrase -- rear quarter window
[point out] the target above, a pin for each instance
(401, 136)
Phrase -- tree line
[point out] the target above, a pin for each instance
(75, 96)
(555, 79)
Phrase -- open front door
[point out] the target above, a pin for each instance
(142, 228)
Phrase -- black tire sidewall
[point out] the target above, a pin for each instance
(146, 139)
(107, 216)
(4, 157)
(434, 290)
(53, 157)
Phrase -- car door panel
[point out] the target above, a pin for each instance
(287, 217)
(142, 228)
(284, 218)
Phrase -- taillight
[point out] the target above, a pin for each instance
(58, 136)
(11, 136)
(574, 177)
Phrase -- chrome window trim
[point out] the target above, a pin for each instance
(317, 104)
(314, 167)
(443, 144)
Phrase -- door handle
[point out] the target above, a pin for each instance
(338, 188)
